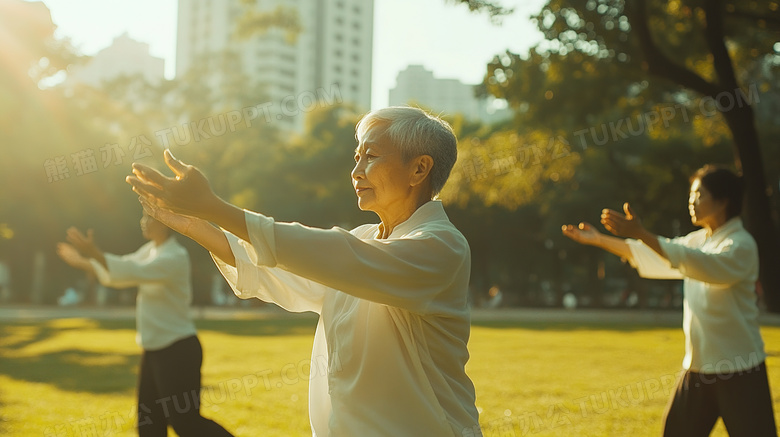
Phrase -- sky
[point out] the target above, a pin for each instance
(442, 36)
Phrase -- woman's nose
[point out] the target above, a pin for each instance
(357, 171)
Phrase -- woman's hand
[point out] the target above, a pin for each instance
(584, 233)
(628, 225)
(180, 223)
(188, 193)
(85, 244)
(72, 257)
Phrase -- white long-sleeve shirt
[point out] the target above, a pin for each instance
(720, 314)
(162, 275)
(394, 319)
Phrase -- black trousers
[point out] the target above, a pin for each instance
(169, 392)
(742, 399)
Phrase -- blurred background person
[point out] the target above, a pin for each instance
(725, 372)
(169, 376)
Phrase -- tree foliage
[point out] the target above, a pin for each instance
(640, 93)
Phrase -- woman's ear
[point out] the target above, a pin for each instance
(422, 166)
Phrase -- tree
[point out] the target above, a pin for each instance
(697, 53)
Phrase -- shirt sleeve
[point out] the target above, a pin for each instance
(734, 261)
(649, 264)
(131, 271)
(406, 272)
(273, 285)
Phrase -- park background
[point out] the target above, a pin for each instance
(618, 102)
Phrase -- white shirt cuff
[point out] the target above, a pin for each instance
(261, 248)
(104, 277)
(674, 252)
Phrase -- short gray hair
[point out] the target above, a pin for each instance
(415, 132)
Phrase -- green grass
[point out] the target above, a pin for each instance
(74, 377)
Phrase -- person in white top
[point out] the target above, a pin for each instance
(725, 373)
(169, 374)
(392, 297)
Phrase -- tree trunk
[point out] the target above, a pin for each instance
(756, 211)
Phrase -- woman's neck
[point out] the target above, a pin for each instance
(715, 222)
(391, 219)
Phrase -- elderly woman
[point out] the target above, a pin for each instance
(392, 297)
(725, 374)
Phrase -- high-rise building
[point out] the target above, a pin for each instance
(416, 85)
(330, 58)
(124, 57)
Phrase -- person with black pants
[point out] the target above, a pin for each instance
(724, 365)
(169, 375)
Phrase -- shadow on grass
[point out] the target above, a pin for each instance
(80, 370)
(294, 325)
(75, 370)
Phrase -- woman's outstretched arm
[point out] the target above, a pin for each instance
(586, 234)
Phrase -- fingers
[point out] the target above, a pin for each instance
(143, 188)
(611, 222)
(75, 233)
(154, 207)
(151, 210)
(569, 231)
(610, 228)
(75, 237)
(179, 168)
(90, 235)
(65, 250)
(611, 212)
(150, 175)
(627, 210)
(585, 226)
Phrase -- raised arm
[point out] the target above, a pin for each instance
(73, 258)
(188, 194)
(735, 260)
(85, 244)
(630, 226)
(586, 234)
(410, 272)
(647, 260)
(199, 230)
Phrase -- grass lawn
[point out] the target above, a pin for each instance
(76, 377)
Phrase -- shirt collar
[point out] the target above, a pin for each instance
(430, 211)
(731, 225)
(169, 242)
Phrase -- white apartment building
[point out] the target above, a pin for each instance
(330, 58)
(124, 57)
(416, 85)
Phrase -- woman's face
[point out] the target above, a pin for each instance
(702, 206)
(380, 177)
